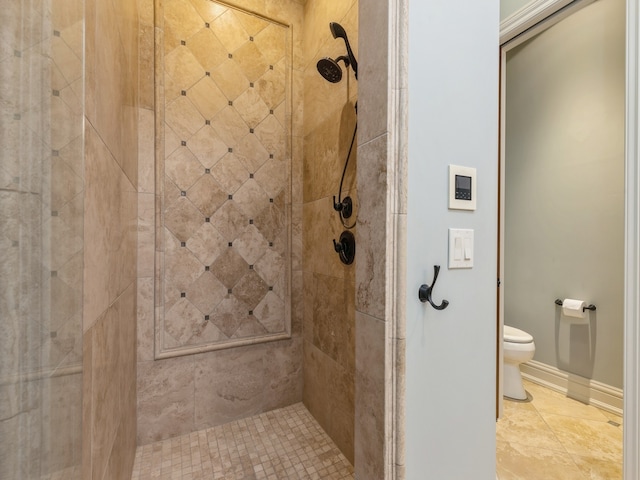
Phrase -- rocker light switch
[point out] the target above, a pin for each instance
(460, 248)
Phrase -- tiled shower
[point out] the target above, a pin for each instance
(167, 181)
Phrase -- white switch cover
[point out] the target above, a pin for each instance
(460, 248)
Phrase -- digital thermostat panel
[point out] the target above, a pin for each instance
(462, 188)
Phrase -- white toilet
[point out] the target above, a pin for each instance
(518, 348)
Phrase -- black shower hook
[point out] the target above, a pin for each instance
(424, 292)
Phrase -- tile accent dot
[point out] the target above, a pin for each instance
(16, 53)
(183, 294)
(271, 155)
(207, 170)
(56, 93)
(17, 116)
(230, 103)
(230, 150)
(230, 244)
(271, 289)
(208, 220)
(251, 222)
(206, 317)
(206, 24)
(183, 244)
(208, 74)
(56, 33)
(270, 67)
(251, 175)
(229, 291)
(183, 143)
(206, 268)
(183, 193)
(183, 93)
(250, 312)
(271, 112)
(250, 267)
(54, 213)
(251, 39)
(271, 244)
(207, 122)
(53, 334)
(55, 153)
(251, 84)
(54, 273)
(230, 56)
(230, 197)
(15, 243)
(251, 130)
(182, 42)
(271, 200)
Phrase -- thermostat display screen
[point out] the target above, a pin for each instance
(463, 187)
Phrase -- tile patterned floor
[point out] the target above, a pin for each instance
(555, 437)
(282, 444)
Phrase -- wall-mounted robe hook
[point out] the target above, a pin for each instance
(424, 292)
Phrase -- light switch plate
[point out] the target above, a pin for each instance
(460, 248)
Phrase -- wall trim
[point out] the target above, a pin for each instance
(534, 15)
(397, 162)
(577, 387)
(528, 16)
(632, 248)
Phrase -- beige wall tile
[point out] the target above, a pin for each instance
(370, 406)
(146, 150)
(374, 78)
(145, 331)
(110, 233)
(370, 257)
(113, 353)
(229, 384)
(146, 231)
(108, 269)
(165, 398)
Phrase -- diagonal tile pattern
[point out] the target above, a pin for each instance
(225, 76)
(283, 443)
(555, 437)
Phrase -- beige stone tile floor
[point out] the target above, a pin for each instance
(551, 437)
(282, 444)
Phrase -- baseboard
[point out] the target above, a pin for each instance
(582, 389)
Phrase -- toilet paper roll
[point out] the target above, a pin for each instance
(573, 308)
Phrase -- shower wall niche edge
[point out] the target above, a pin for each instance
(223, 179)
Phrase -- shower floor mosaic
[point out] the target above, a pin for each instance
(553, 437)
(282, 444)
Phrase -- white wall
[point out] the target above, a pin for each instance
(453, 119)
(564, 228)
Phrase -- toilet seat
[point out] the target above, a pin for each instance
(515, 335)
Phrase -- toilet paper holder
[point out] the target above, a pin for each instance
(591, 307)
